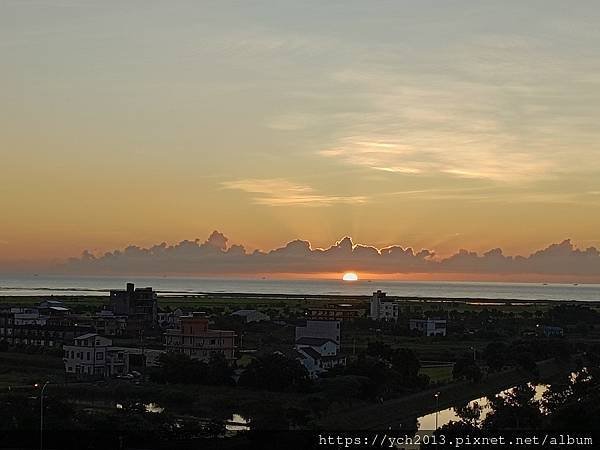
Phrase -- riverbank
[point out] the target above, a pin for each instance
(402, 412)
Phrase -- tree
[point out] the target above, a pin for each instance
(275, 372)
(406, 363)
(219, 371)
(465, 368)
(496, 355)
(179, 368)
(516, 409)
(470, 413)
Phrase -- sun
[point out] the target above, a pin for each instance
(350, 276)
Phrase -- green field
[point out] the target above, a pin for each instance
(20, 369)
(438, 374)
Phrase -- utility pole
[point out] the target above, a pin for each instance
(42, 413)
(437, 408)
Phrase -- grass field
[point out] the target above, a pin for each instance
(19, 369)
(438, 374)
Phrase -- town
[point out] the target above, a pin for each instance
(133, 315)
(325, 360)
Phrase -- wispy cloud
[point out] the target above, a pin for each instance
(412, 131)
(281, 192)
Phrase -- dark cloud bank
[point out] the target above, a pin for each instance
(216, 257)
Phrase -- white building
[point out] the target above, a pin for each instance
(382, 309)
(170, 319)
(325, 347)
(251, 315)
(92, 355)
(429, 327)
(325, 329)
(28, 316)
(151, 356)
(317, 355)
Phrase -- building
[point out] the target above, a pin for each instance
(317, 355)
(28, 326)
(325, 329)
(429, 327)
(251, 315)
(53, 308)
(92, 356)
(170, 319)
(107, 323)
(341, 311)
(147, 356)
(317, 345)
(552, 331)
(382, 309)
(195, 339)
(324, 346)
(139, 305)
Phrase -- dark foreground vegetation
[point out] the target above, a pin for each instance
(183, 400)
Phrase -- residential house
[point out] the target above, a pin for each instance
(327, 329)
(92, 356)
(317, 355)
(383, 309)
(27, 326)
(251, 315)
(195, 339)
(552, 331)
(429, 326)
(107, 323)
(170, 319)
(340, 311)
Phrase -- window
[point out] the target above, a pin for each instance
(87, 356)
(100, 355)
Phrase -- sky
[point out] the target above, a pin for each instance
(421, 124)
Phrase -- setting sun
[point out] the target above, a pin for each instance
(350, 276)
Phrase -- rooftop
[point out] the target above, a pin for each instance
(86, 336)
(313, 341)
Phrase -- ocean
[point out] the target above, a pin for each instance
(61, 285)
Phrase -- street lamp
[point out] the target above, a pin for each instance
(474, 354)
(437, 408)
(42, 412)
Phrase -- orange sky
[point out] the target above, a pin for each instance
(441, 126)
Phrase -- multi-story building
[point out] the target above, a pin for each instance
(323, 329)
(139, 305)
(107, 323)
(342, 311)
(92, 356)
(53, 308)
(195, 339)
(27, 326)
(317, 345)
(317, 355)
(428, 326)
(170, 319)
(382, 309)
